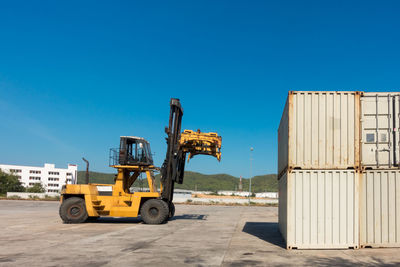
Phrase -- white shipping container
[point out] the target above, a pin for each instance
(319, 209)
(380, 208)
(282, 205)
(380, 124)
(319, 130)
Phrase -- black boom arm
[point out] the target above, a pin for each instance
(173, 167)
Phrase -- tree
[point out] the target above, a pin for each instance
(9, 183)
(36, 188)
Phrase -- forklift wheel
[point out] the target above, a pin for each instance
(171, 210)
(73, 210)
(154, 211)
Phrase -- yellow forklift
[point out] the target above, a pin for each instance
(82, 202)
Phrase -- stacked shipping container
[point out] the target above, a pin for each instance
(380, 130)
(319, 130)
(318, 161)
(319, 208)
(380, 208)
(380, 179)
(326, 145)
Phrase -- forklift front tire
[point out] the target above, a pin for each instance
(73, 210)
(154, 211)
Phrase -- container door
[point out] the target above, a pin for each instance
(380, 130)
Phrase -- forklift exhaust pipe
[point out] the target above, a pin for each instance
(87, 170)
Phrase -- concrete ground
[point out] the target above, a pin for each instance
(32, 234)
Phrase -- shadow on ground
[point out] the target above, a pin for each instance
(116, 220)
(337, 261)
(139, 220)
(267, 231)
(293, 260)
(189, 217)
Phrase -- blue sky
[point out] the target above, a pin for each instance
(75, 75)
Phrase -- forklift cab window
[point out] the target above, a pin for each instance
(134, 151)
(141, 155)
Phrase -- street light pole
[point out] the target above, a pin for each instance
(251, 158)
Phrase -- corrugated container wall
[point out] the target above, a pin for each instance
(380, 208)
(319, 130)
(319, 209)
(282, 208)
(380, 136)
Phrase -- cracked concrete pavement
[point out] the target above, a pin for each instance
(33, 234)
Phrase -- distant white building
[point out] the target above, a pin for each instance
(52, 178)
(234, 193)
(246, 194)
(268, 194)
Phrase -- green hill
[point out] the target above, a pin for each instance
(96, 177)
(201, 182)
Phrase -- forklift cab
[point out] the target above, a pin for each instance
(134, 151)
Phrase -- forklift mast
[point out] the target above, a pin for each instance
(178, 145)
(173, 167)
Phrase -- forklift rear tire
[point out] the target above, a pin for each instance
(154, 211)
(171, 210)
(73, 210)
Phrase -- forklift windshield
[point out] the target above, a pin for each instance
(134, 151)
